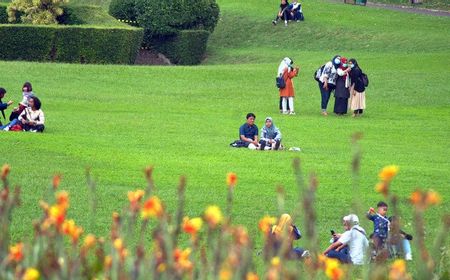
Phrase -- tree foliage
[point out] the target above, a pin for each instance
(36, 11)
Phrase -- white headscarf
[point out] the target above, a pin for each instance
(285, 63)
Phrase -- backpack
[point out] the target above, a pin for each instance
(318, 73)
(364, 79)
(280, 83)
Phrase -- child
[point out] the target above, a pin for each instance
(296, 11)
(3, 106)
(380, 225)
(270, 136)
(27, 92)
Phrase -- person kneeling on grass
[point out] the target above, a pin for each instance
(355, 238)
(270, 136)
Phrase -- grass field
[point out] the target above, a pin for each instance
(119, 119)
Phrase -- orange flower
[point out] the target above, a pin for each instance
(5, 171)
(16, 252)
(388, 173)
(433, 198)
(89, 241)
(252, 276)
(382, 188)
(118, 244)
(398, 270)
(181, 258)
(69, 228)
(31, 274)
(62, 199)
(332, 269)
(136, 196)
(152, 208)
(240, 235)
(423, 199)
(213, 216)
(231, 179)
(265, 223)
(192, 226)
(225, 273)
(57, 214)
(108, 261)
(416, 197)
(56, 181)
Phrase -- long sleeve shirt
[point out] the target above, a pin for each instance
(30, 115)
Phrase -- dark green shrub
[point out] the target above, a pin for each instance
(186, 48)
(26, 42)
(123, 9)
(3, 13)
(70, 43)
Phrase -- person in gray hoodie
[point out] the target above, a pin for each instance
(270, 136)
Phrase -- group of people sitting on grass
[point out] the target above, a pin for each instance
(351, 246)
(289, 12)
(270, 136)
(27, 116)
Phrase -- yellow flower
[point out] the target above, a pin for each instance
(136, 196)
(16, 252)
(275, 261)
(398, 270)
(388, 173)
(192, 226)
(118, 244)
(181, 258)
(382, 188)
(5, 171)
(433, 198)
(69, 228)
(108, 261)
(57, 214)
(213, 216)
(225, 273)
(31, 274)
(231, 179)
(152, 208)
(265, 223)
(89, 241)
(332, 270)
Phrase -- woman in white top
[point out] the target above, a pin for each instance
(32, 118)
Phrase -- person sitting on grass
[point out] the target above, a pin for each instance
(248, 132)
(283, 13)
(27, 92)
(296, 11)
(282, 237)
(270, 136)
(355, 238)
(380, 226)
(401, 246)
(32, 118)
(3, 106)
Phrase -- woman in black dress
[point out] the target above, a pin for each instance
(342, 92)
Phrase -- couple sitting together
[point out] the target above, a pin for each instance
(248, 135)
(28, 116)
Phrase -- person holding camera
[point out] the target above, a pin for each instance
(287, 71)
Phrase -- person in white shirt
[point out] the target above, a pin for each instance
(32, 118)
(355, 238)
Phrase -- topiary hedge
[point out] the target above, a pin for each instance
(82, 44)
(186, 48)
(3, 13)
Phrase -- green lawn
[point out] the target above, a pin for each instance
(119, 119)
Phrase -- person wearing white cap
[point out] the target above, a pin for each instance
(355, 238)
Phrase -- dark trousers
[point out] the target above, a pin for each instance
(325, 95)
(359, 111)
(285, 15)
(264, 143)
(343, 255)
(281, 104)
(36, 128)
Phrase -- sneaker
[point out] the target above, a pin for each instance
(408, 257)
(285, 112)
(306, 254)
(324, 113)
(274, 22)
(298, 20)
(292, 113)
(285, 23)
(6, 128)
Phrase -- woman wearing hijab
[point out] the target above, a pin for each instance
(270, 136)
(288, 72)
(342, 92)
(282, 237)
(358, 94)
(327, 81)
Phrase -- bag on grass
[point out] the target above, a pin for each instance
(279, 81)
(238, 144)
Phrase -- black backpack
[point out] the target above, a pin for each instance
(364, 79)
(318, 73)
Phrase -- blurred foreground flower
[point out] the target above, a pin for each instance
(5, 171)
(266, 223)
(69, 228)
(31, 274)
(252, 276)
(56, 181)
(62, 199)
(333, 270)
(398, 271)
(16, 252)
(182, 261)
(213, 216)
(388, 173)
(192, 226)
(231, 179)
(423, 199)
(382, 188)
(152, 208)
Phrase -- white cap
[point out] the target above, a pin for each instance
(352, 219)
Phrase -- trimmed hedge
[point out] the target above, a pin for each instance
(82, 44)
(3, 13)
(186, 48)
